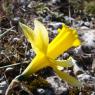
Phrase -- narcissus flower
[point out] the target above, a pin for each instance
(46, 52)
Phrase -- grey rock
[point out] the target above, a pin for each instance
(93, 93)
(65, 55)
(93, 65)
(46, 91)
(9, 68)
(87, 23)
(15, 39)
(84, 77)
(76, 68)
(88, 36)
(16, 19)
(3, 87)
(31, 4)
(54, 81)
(41, 91)
(30, 53)
(55, 25)
(65, 91)
(57, 84)
(56, 1)
(84, 27)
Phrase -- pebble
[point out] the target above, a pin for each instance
(84, 77)
(46, 91)
(59, 87)
(40, 90)
(31, 4)
(9, 69)
(15, 39)
(84, 27)
(65, 91)
(77, 70)
(56, 1)
(3, 87)
(65, 55)
(16, 18)
(93, 93)
(30, 53)
(55, 25)
(93, 65)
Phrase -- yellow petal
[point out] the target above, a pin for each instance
(38, 38)
(62, 42)
(76, 43)
(41, 36)
(29, 34)
(63, 28)
(39, 62)
(66, 77)
(62, 32)
(61, 45)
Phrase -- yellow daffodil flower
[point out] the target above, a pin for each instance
(46, 52)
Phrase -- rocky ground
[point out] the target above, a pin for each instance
(16, 53)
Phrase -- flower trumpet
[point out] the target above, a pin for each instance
(46, 52)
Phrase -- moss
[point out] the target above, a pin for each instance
(74, 91)
(38, 82)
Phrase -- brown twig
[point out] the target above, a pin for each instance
(10, 65)
(3, 67)
(8, 30)
(11, 86)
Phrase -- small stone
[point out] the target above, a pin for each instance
(65, 55)
(3, 87)
(84, 27)
(31, 4)
(87, 24)
(57, 84)
(10, 73)
(30, 53)
(45, 91)
(41, 91)
(93, 93)
(84, 77)
(55, 31)
(86, 48)
(56, 1)
(77, 70)
(65, 91)
(16, 39)
(55, 25)
(54, 81)
(9, 69)
(93, 65)
(16, 19)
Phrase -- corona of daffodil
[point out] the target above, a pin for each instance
(46, 52)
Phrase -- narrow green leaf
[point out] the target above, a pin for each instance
(66, 77)
(62, 63)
